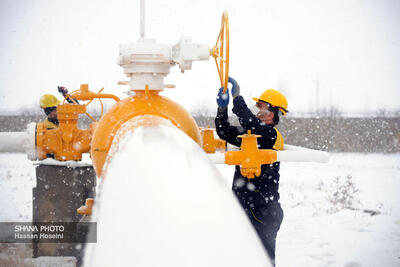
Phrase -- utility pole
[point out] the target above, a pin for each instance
(317, 85)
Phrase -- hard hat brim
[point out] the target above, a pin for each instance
(58, 103)
(281, 109)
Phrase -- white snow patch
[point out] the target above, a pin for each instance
(86, 162)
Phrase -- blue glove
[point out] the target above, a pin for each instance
(235, 91)
(222, 98)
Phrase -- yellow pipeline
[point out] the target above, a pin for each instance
(144, 102)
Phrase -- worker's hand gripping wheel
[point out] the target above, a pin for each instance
(220, 52)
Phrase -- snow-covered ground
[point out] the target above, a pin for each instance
(344, 213)
(327, 212)
(17, 177)
(318, 231)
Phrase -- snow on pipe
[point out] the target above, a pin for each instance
(163, 203)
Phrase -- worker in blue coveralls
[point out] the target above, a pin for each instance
(259, 197)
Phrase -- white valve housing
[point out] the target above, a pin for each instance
(147, 62)
(185, 52)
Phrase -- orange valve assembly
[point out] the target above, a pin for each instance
(249, 157)
(67, 142)
(146, 63)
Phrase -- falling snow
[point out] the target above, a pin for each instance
(316, 230)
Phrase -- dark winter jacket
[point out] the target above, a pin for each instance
(267, 184)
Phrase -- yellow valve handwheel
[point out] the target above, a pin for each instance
(220, 52)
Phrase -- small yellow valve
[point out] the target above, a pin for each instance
(249, 157)
(209, 143)
(220, 144)
(87, 209)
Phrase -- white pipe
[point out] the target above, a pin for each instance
(217, 158)
(20, 142)
(302, 154)
(306, 155)
(291, 147)
(13, 142)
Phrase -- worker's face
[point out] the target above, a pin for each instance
(51, 112)
(263, 113)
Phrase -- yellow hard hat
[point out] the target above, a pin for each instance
(48, 100)
(275, 99)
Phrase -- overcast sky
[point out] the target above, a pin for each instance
(349, 49)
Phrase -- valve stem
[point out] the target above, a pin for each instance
(142, 18)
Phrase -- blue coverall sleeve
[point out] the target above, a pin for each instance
(225, 130)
